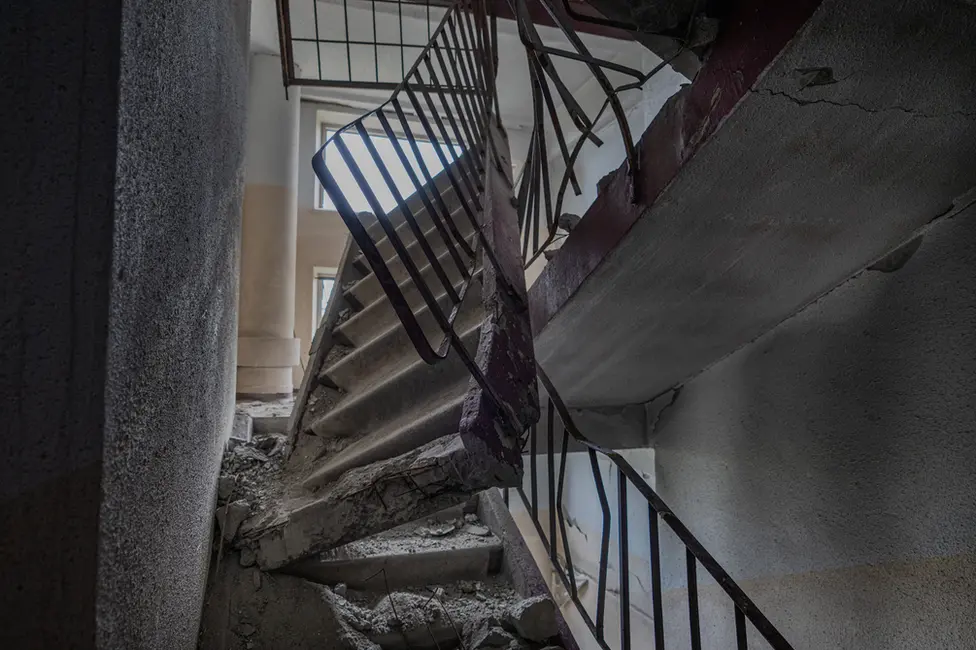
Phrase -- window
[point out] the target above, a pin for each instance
(324, 285)
(384, 147)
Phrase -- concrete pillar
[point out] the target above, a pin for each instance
(267, 349)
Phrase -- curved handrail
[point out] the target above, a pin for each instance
(745, 608)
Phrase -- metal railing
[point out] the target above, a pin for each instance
(362, 44)
(536, 203)
(561, 558)
(448, 97)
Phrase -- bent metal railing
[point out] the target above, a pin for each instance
(449, 99)
(536, 204)
(449, 96)
(561, 558)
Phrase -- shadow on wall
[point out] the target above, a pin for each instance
(829, 466)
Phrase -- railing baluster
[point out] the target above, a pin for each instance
(657, 604)
(551, 458)
(448, 170)
(601, 593)
(741, 642)
(693, 621)
(624, 569)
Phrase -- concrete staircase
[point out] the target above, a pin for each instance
(377, 437)
(441, 583)
(378, 398)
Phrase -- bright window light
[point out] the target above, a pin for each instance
(384, 147)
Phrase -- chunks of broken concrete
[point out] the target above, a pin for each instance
(225, 487)
(533, 619)
(491, 637)
(230, 517)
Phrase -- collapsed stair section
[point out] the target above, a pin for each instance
(379, 437)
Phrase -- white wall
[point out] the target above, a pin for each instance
(830, 467)
(593, 162)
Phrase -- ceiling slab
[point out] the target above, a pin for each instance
(806, 149)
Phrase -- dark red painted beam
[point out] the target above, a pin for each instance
(756, 31)
(540, 16)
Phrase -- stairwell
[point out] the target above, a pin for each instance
(365, 526)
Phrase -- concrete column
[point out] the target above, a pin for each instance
(267, 349)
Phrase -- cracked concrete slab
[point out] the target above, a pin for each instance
(803, 152)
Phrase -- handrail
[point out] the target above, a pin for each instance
(535, 193)
(455, 70)
(744, 608)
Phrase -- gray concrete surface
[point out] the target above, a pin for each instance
(172, 326)
(809, 180)
(57, 171)
(829, 465)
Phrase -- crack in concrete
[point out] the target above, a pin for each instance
(652, 427)
(901, 109)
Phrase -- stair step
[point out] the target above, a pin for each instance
(378, 317)
(386, 355)
(439, 415)
(408, 556)
(369, 289)
(398, 394)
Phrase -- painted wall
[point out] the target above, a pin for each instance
(828, 466)
(321, 236)
(169, 391)
(59, 134)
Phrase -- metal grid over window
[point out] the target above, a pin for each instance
(353, 43)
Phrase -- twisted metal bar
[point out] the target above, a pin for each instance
(630, 480)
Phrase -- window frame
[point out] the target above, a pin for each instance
(318, 306)
(326, 126)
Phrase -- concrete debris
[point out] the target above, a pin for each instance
(225, 487)
(271, 444)
(471, 518)
(246, 608)
(469, 586)
(480, 531)
(489, 637)
(246, 629)
(247, 557)
(439, 530)
(533, 618)
(242, 429)
(249, 474)
(403, 609)
(245, 452)
(340, 590)
(567, 221)
(230, 517)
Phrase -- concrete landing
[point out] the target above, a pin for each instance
(817, 137)
(267, 416)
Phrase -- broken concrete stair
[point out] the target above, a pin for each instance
(453, 545)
